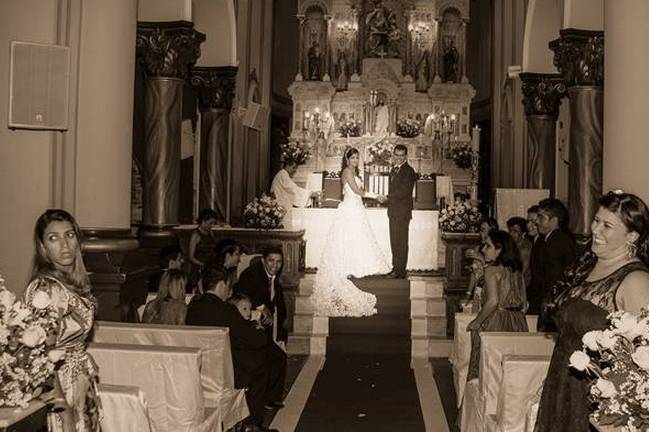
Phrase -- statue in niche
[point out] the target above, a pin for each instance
(315, 62)
(450, 60)
(383, 34)
(342, 74)
(382, 120)
(422, 74)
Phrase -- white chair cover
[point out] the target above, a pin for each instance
(125, 409)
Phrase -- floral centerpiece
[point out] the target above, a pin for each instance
(408, 128)
(380, 153)
(460, 217)
(264, 213)
(462, 155)
(618, 358)
(350, 128)
(293, 150)
(27, 338)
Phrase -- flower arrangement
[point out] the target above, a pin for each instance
(264, 213)
(350, 128)
(460, 217)
(332, 174)
(295, 151)
(619, 359)
(425, 177)
(408, 128)
(380, 153)
(27, 338)
(462, 155)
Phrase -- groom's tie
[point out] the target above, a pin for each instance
(395, 171)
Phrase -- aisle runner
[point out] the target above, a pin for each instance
(366, 383)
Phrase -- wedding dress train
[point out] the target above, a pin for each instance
(350, 249)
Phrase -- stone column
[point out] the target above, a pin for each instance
(166, 50)
(328, 73)
(300, 51)
(215, 87)
(542, 95)
(626, 111)
(463, 77)
(437, 78)
(579, 56)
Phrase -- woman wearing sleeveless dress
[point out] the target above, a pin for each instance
(504, 297)
(203, 236)
(610, 277)
(59, 271)
(350, 249)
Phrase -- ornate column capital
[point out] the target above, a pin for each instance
(168, 49)
(579, 56)
(542, 93)
(215, 85)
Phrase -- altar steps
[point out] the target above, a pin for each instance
(428, 316)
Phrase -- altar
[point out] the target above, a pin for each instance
(423, 237)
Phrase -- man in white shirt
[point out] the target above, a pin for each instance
(287, 193)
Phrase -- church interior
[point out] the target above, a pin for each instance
(184, 126)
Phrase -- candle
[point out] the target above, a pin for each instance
(475, 139)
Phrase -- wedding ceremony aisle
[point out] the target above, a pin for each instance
(366, 383)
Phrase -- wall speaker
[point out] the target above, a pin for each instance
(39, 85)
(256, 116)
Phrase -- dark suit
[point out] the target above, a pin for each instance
(402, 182)
(250, 347)
(255, 283)
(558, 253)
(535, 289)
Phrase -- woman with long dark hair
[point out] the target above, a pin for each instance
(59, 271)
(611, 276)
(351, 249)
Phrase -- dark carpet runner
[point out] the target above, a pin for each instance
(366, 383)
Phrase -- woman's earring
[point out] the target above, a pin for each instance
(631, 249)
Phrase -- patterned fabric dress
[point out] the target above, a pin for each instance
(78, 373)
(564, 405)
(508, 317)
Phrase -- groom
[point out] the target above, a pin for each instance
(402, 180)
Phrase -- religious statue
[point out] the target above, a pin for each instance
(382, 120)
(315, 62)
(450, 59)
(342, 75)
(382, 32)
(421, 83)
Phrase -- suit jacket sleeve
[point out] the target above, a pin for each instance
(252, 284)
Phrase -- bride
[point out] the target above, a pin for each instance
(350, 249)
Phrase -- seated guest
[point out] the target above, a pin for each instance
(227, 254)
(169, 305)
(260, 282)
(249, 346)
(559, 251)
(171, 257)
(517, 228)
(504, 298)
(534, 290)
(476, 282)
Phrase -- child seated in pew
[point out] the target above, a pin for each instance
(244, 305)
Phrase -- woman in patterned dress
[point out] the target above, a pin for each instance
(60, 272)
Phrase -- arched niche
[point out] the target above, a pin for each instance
(307, 5)
(315, 41)
(451, 43)
(216, 18)
(542, 24)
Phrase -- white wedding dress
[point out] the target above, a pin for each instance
(350, 249)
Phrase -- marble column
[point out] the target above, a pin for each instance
(328, 72)
(166, 51)
(579, 57)
(626, 110)
(215, 88)
(463, 78)
(300, 50)
(542, 95)
(437, 77)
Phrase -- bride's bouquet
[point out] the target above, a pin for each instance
(460, 217)
(264, 213)
(27, 339)
(293, 150)
(619, 359)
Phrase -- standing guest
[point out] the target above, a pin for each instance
(169, 305)
(612, 276)
(171, 257)
(203, 236)
(535, 286)
(504, 298)
(559, 251)
(260, 282)
(59, 271)
(249, 346)
(517, 228)
(287, 193)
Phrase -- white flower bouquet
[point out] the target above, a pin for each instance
(350, 128)
(380, 152)
(264, 213)
(460, 217)
(618, 358)
(27, 355)
(293, 150)
(462, 155)
(408, 128)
